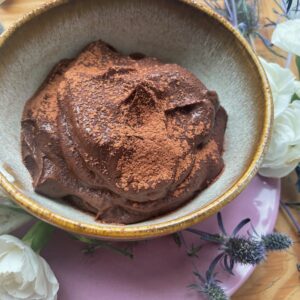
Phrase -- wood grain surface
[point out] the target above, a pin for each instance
(278, 278)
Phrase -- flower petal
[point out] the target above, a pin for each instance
(283, 154)
(286, 36)
(282, 83)
(24, 275)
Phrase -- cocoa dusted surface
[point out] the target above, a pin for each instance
(126, 138)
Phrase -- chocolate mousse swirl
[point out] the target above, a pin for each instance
(126, 138)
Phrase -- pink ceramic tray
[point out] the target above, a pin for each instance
(159, 269)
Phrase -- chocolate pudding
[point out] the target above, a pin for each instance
(126, 138)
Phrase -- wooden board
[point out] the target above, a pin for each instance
(275, 279)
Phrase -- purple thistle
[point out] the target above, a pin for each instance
(210, 286)
(276, 241)
(235, 248)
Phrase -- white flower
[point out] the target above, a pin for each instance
(7, 175)
(10, 219)
(286, 36)
(284, 152)
(283, 85)
(24, 274)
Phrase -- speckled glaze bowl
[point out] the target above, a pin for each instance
(183, 32)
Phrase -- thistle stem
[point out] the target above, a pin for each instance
(252, 42)
(228, 8)
(234, 13)
(290, 215)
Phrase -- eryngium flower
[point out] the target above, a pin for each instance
(245, 250)
(276, 241)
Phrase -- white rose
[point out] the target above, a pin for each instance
(284, 151)
(283, 85)
(23, 273)
(286, 36)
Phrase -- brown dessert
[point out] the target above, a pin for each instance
(124, 137)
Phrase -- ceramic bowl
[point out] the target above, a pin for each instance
(180, 31)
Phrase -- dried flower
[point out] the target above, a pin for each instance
(243, 14)
(210, 286)
(235, 248)
(193, 251)
(92, 245)
(245, 250)
(276, 241)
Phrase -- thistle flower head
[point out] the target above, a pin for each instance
(245, 250)
(209, 286)
(276, 241)
(214, 292)
(244, 14)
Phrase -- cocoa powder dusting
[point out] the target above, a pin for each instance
(124, 137)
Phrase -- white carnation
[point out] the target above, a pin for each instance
(284, 151)
(24, 274)
(283, 85)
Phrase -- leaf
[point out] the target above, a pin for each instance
(295, 97)
(209, 237)
(84, 239)
(193, 286)
(93, 245)
(298, 175)
(120, 250)
(193, 251)
(210, 271)
(228, 266)
(177, 239)
(298, 64)
(240, 226)
(220, 223)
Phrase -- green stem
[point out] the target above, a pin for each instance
(13, 207)
(38, 235)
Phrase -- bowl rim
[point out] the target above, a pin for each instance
(136, 231)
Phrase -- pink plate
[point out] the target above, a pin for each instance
(159, 269)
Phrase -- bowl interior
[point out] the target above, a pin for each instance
(170, 30)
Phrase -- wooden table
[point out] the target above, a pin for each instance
(277, 278)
